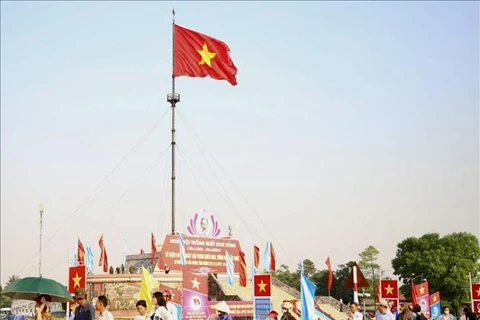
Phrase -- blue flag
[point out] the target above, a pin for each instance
(230, 267)
(307, 293)
(266, 257)
(181, 243)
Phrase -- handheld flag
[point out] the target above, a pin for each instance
(199, 55)
(148, 284)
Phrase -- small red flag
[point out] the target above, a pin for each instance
(435, 298)
(389, 289)
(102, 251)
(199, 55)
(413, 292)
(243, 269)
(273, 258)
(256, 256)
(261, 283)
(330, 274)
(154, 248)
(141, 251)
(76, 278)
(105, 260)
(80, 253)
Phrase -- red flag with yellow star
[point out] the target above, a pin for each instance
(76, 278)
(476, 296)
(199, 55)
(262, 284)
(389, 289)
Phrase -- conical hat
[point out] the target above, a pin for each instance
(222, 306)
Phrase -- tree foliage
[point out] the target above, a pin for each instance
(370, 268)
(4, 300)
(444, 261)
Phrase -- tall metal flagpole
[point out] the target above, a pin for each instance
(40, 209)
(173, 98)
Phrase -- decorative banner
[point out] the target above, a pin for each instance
(261, 285)
(389, 289)
(262, 307)
(195, 296)
(435, 308)
(203, 225)
(76, 278)
(476, 296)
(237, 308)
(423, 298)
(206, 254)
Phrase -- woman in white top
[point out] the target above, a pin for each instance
(142, 310)
(160, 312)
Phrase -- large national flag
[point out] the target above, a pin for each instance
(307, 293)
(148, 284)
(199, 55)
(230, 266)
(262, 285)
(435, 308)
(76, 278)
(256, 256)
(154, 248)
(330, 273)
(80, 253)
(476, 295)
(243, 269)
(423, 298)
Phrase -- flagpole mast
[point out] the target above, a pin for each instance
(173, 98)
(40, 244)
(471, 291)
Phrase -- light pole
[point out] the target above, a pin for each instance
(40, 209)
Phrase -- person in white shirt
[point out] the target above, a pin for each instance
(101, 307)
(160, 312)
(142, 310)
(170, 306)
(354, 313)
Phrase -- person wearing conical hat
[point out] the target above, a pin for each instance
(223, 311)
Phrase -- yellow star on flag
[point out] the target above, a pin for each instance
(434, 298)
(262, 285)
(422, 290)
(76, 280)
(389, 289)
(195, 283)
(478, 292)
(206, 55)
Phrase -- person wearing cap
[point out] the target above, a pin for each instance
(354, 314)
(222, 311)
(84, 310)
(170, 306)
(382, 308)
(272, 315)
(286, 308)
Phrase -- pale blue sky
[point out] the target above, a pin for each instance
(353, 123)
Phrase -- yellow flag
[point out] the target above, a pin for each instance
(148, 285)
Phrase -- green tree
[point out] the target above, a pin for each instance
(444, 261)
(283, 274)
(4, 300)
(370, 268)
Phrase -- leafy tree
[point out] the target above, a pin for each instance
(369, 266)
(444, 261)
(4, 300)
